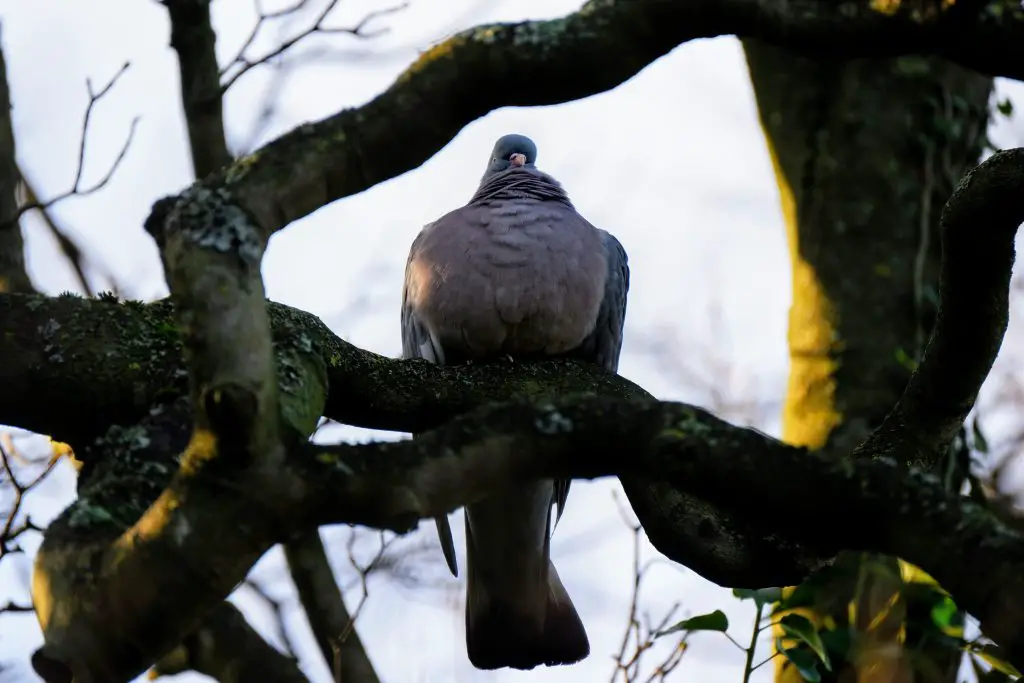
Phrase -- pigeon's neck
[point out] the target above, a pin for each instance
(520, 183)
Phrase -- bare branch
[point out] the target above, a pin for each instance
(93, 98)
(600, 46)
(193, 39)
(241, 65)
(11, 531)
(254, 406)
(642, 634)
(13, 276)
(333, 627)
(77, 188)
(71, 250)
(14, 608)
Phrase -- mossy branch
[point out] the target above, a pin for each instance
(247, 477)
(603, 44)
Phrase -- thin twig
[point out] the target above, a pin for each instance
(244, 64)
(640, 630)
(277, 608)
(15, 608)
(72, 252)
(77, 189)
(10, 532)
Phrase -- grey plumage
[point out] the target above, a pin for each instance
(515, 272)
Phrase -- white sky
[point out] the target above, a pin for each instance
(686, 186)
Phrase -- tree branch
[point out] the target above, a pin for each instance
(978, 226)
(78, 188)
(241, 64)
(13, 276)
(68, 246)
(421, 486)
(193, 38)
(606, 42)
(228, 650)
(211, 504)
(332, 625)
(238, 447)
(62, 344)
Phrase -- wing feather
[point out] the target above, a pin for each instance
(604, 344)
(418, 342)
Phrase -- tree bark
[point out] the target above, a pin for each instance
(864, 151)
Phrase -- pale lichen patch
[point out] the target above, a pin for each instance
(211, 219)
(552, 422)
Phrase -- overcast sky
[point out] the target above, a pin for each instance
(685, 184)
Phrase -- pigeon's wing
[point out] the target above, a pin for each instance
(418, 342)
(604, 343)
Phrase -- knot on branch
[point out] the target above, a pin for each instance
(50, 669)
(154, 223)
(231, 409)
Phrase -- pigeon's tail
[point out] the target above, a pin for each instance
(539, 626)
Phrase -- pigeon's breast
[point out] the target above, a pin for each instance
(519, 278)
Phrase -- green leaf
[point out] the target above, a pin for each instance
(1005, 108)
(904, 359)
(760, 596)
(943, 612)
(837, 642)
(804, 595)
(993, 656)
(714, 621)
(801, 628)
(805, 662)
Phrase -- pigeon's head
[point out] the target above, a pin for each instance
(511, 150)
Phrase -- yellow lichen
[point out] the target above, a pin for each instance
(889, 7)
(432, 54)
(202, 447)
(238, 170)
(809, 415)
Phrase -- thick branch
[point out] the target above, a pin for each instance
(211, 253)
(13, 277)
(979, 224)
(602, 45)
(212, 256)
(193, 38)
(62, 344)
(61, 379)
(228, 650)
(876, 505)
(332, 625)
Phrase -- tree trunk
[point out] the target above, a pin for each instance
(865, 153)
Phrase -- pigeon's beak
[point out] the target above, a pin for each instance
(517, 159)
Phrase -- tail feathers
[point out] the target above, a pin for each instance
(500, 635)
(444, 537)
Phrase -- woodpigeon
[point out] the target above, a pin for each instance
(516, 272)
